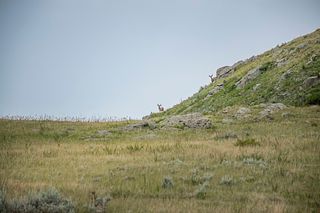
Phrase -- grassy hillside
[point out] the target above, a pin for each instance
(284, 70)
(265, 166)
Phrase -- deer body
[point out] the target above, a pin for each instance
(212, 78)
(161, 108)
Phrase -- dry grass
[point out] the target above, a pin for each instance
(282, 174)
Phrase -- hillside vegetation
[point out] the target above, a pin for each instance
(288, 73)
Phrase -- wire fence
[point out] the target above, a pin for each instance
(67, 118)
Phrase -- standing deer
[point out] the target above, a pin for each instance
(161, 108)
(93, 198)
(98, 204)
(212, 78)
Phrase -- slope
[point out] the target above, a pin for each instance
(288, 73)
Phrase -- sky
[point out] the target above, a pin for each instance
(102, 58)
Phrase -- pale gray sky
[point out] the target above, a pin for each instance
(122, 57)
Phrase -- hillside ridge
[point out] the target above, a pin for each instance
(288, 73)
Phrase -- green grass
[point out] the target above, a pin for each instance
(290, 91)
(208, 171)
(247, 142)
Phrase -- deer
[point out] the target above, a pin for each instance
(212, 78)
(93, 198)
(98, 204)
(161, 108)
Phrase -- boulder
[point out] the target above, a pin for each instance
(252, 74)
(252, 58)
(271, 108)
(274, 107)
(216, 89)
(301, 46)
(193, 120)
(312, 58)
(222, 71)
(243, 112)
(281, 62)
(227, 70)
(144, 124)
(311, 81)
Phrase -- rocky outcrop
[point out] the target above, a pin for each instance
(281, 62)
(312, 58)
(144, 124)
(223, 71)
(227, 70)
(215, 90)
(301, 46)
(271, 108)
(194, 120)
(252, 74)
(242, 112)
(285, 75)
(311, 81)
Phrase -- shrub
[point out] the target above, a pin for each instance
(226, 180)
(266, 66)
(313, 97)
(247, 142)
(49, 201)
(202, 190)
(253, 161)
(135, 148)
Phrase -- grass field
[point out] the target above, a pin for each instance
(246, 166)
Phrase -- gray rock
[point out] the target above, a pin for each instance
(311, 81)
(285, 94)
(312, 58)
(223, 71)
(194, 120)
(216, 89)
(262, 105)
(252, 74)
(243, 112)
(227, 70)
(281, 62)
(251, 59)
(264, 114)
(285, 75)
(271, 108)
(274, 107)
(146, 117)
(301, 46)
(256, 87)
(144, 124)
